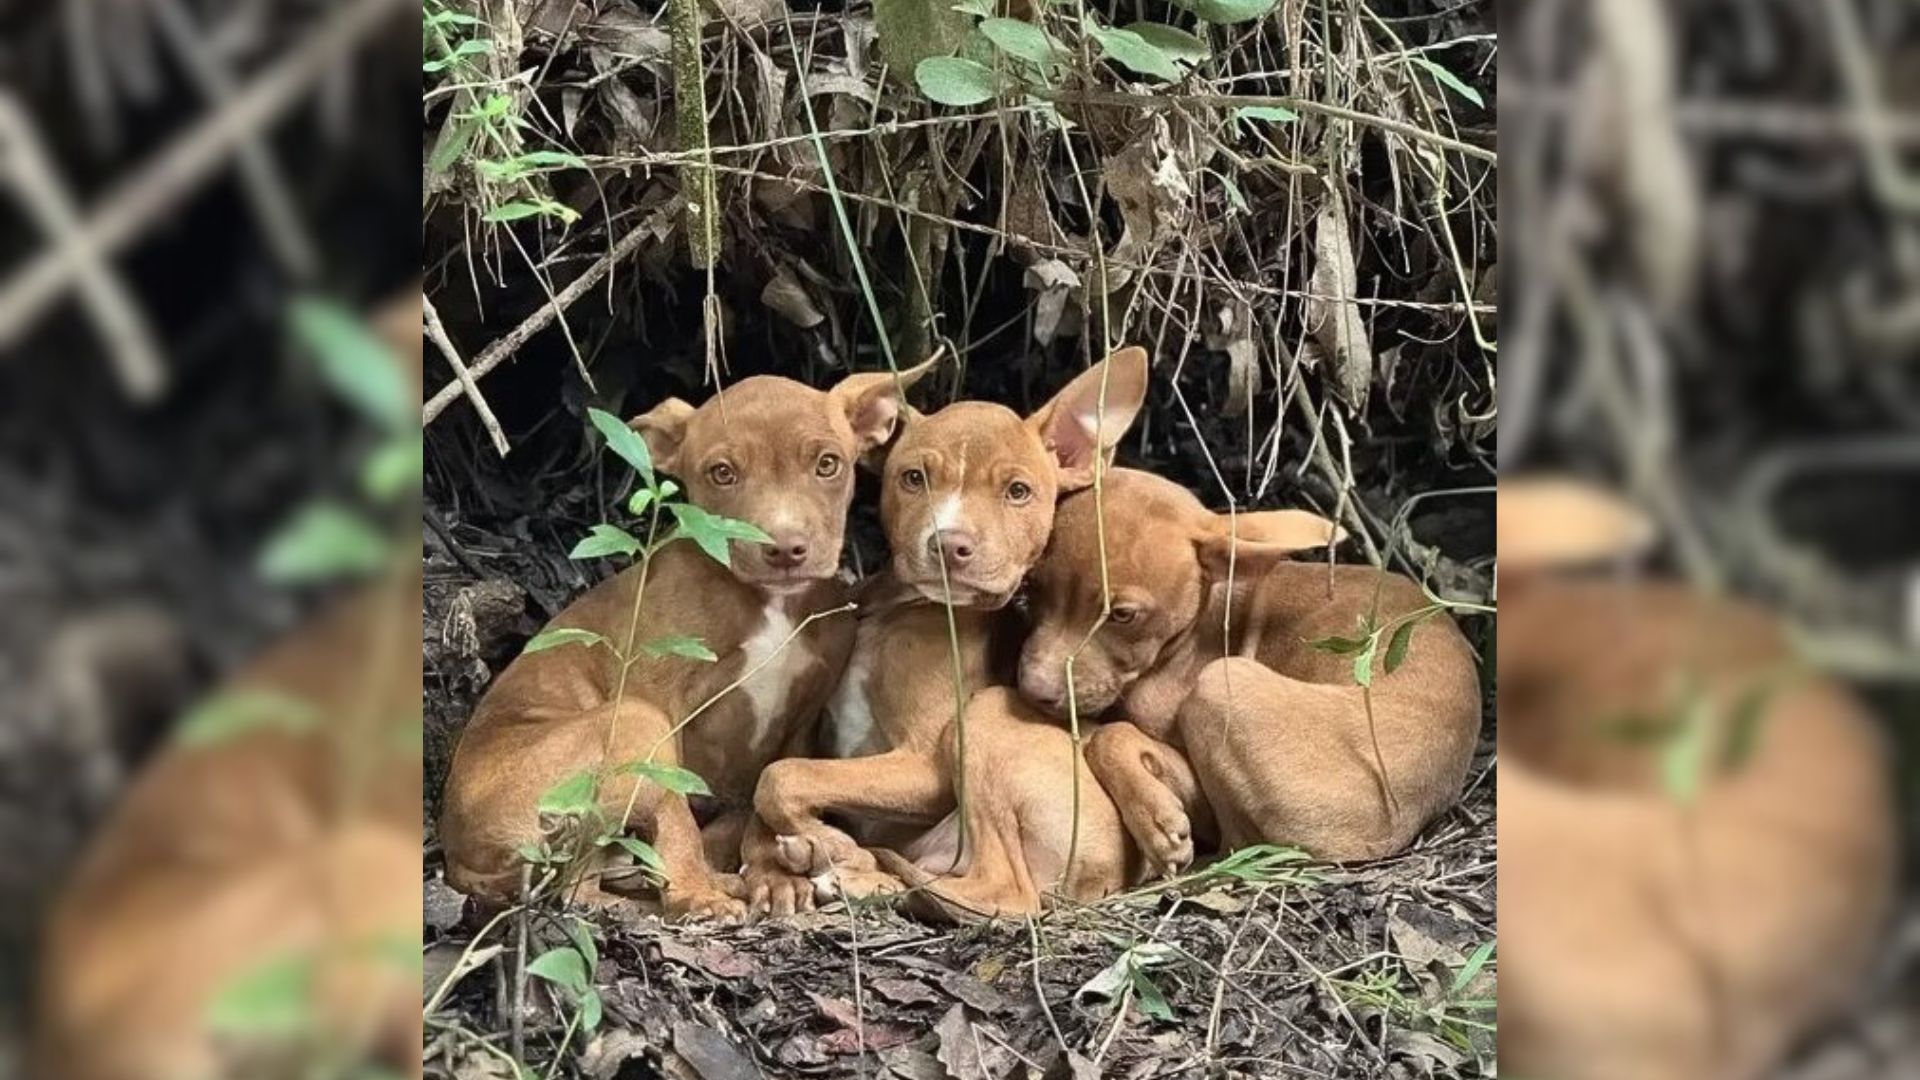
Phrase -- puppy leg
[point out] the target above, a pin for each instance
(793, 795)
(1155, 791)
(771, 888)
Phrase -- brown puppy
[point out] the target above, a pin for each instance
(1273, 738)
(264, 846)
(768, 451)
(968, 500)
(1645, 934)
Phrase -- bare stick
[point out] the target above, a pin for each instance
(261, 179)
(130, 342)
(144, 199)
(437, 333)
(492, 356)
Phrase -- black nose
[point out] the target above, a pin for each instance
(786, 552)
(953, 545)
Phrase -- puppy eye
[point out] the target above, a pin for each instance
(722, 474)
(913, 480)
(1124, 613)
(827, 467)
(1019, 492)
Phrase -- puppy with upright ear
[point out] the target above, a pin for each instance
(1091, 414)
(1250, 544)
(873, 404)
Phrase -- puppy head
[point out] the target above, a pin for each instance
(971, 489)
(779, 455)
(1165, 552)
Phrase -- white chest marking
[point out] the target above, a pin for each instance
(771, 687)
(850, 726)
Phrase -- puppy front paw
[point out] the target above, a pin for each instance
(856, 885)
(704, 901)
(778, 893)
(813, 853)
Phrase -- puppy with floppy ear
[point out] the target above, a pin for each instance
(1756, 902)
(766, 451)
(1258, 739)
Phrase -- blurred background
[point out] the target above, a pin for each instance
(179, 181)
(1712, 311)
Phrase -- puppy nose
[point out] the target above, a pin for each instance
(1049, 694)
(953, 545)
(787, 551)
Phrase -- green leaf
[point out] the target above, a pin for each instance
(1403, 638)
(1021, 39)
(605, 539)
(1135, 53)
(563, 967)
(683, 645)
(576, 795)
(712, 532)
(566, 635)
(1472, 967)
(1172, 40)
(393, 469)
(981, 8)
(356, 363)
(1683, 760)
(1745, 718)
(642, 852)
(237, 712)
(513, 211)
(1340, 646)
(638, 501)
(452, 142)
(1227, 11)
(548, 159)
(625, 442)
(323, 541)
(1273, 114)
(1152, 1002)
(672, 777)
(590, 1009)
(582, 936)
(275, 998)
(1363, 662)
(954, 80)
(1449, 80)
(472, 47)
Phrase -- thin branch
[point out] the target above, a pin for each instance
(146, 197)
(493, 355)
(437, 333)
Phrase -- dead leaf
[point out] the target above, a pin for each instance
(903, 991)
(984, 999)
(1417, 947)
(1072, 1065)
(1231, 332)
(966, 1049)
(712, 1056)
(611, 1049)
(1332, 316)
(620, 30)
(1219, 900)
(912, 1063)
(1056, 283)
(1146, 180)
(790, 299)
(853, 1036)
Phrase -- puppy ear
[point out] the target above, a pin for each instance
(874, 460)
(663, 428)
(871, 401)
(1553, 522)
(1253, 543)
(1073, 425)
